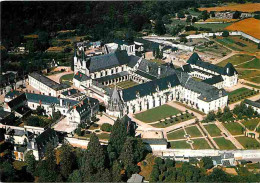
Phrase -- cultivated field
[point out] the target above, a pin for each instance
(249, 26)
(215, 27)
(248, 7)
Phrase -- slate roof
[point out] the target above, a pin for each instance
(133, 60)
(151, 68)
(17, 101)
(213, 80)
(70, 92)
(23, 110)
(12, 94)
(252, 103)
(148, 45)
(84, 107)
(227, 70)
(208, 92)
(81, 77)
(45, 99)
(15, 132)
(98, 63)
(187, 68)
(3, 114)
(147, 88)
(48, 82)
(155, 141)
(113, 76)
(145, 75)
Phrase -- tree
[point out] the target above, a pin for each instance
(236, 15)
(31, 162)
(205, 15)
(67, 160)
(225, 33)
(159, 27)
(106, 127)
(214, 36)
(75, 176)
(56, 115)
(218, 175)
(40, 110)
(117, 139)
(194, 19)
(210, 116)
(116, 172)
(127, 157)
(169, 163)
(50, 157)
(212, 14)
(207, 162)
(188, 19)
(7, 172)
(180, 14)
(258, 45)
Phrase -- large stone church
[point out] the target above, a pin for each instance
(154, 85)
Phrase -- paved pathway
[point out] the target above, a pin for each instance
(202, 128)
(230, 136)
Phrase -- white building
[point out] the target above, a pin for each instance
(45, 85)
(155, 84)
(254, 104)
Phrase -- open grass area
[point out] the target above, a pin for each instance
(254, 64)
(124, 84)
(245, 74)
(178, 134)
(254, 79)
(214, 27)
(180, 145)
(103, 136)
(147, 166)
(234, 128)
(200, 144)
(19, 165)
(224, 144)
(236, 59)
(238, 43)
(192, 109)
(251, 124)
(193, 131)
(240, 94)
(157, 113)
(213, 130)
(248, 143)
(215, 50)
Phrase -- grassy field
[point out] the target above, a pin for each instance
(193, 131)
(254, 86)
(124, 84)
(180, 145)
(248, 74)
(254, 79)
(224, 144)
(103, 136)
(247, 7)
(214, 50)
(170, 122)
(67, 79)
(179, 134)
(248, 143)
(214, 27)
(234, 128)
(239, 94)
(157, 113)
(200, 144)
(236, 59)
(213, 130)
(254, 64)
(234, 42)
(251, 124)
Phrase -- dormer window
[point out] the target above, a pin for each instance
(147, 69)
(157, 88)
(137, 94)
(169, 85)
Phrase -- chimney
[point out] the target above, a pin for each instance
(61, 102)
(159, 70)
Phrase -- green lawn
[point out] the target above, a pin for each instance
(67, 79)
(179, 134)
(234, 128)
(180, 145)
(200, 144)
(239, 94)
(103, 136)
(245, 74)
(251, 124)
(254, 86)
(248, 143)
(224, 144)
(254, 64)
(234, 41)
(236, 59)
(193, 131)
(255, 79)
(214, 27)
(157, 113)
(213, 130)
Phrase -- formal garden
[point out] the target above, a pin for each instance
(157, 113)
(240, 94)
(224, 144)
(124, 84)
(67, 79)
